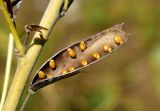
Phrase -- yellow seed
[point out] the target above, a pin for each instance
(82, 46)
(71, 52)
(49, 76)
(106, 48)
(84, 62)
(71, 68)
(52, 64)
(41, 74)
(118, 39)
(64, 71)
(96, 55)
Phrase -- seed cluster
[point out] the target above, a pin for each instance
(72, 54)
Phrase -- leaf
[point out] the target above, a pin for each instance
(70, 60)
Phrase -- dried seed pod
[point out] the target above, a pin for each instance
(97, 47)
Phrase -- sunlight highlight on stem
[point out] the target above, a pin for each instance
(7, 70)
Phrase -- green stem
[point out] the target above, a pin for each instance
(25, 102)
(26, 63)
(18, 43)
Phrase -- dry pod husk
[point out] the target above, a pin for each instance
(70, 60)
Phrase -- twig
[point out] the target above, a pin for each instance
(26, 64)
(18, 43)
(7, 70)
(25, 101)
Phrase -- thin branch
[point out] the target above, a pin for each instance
(26, 63)
(25, 102)
(7, 70)
(18, 43)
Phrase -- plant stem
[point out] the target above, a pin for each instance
(7, 70)
(26, 63)
(18, 43)
(25, 101)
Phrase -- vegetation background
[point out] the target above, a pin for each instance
(128, 80)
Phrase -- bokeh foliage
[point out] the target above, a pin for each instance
(128, 80)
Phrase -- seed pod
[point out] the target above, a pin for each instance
(72, 59)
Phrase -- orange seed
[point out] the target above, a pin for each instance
(52, 64)
(64, 71)
(49, 76)
(118, 39)
(106, 48)
(96, 55)
(71, 68)
(41, 74)
(84, 62)
(71, 52)
(82, 46)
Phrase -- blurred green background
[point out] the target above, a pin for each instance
(128, 80)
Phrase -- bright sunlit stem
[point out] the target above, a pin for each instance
(7, 70)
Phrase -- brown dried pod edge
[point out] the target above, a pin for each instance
(67, 63)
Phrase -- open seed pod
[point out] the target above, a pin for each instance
(68, 61)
